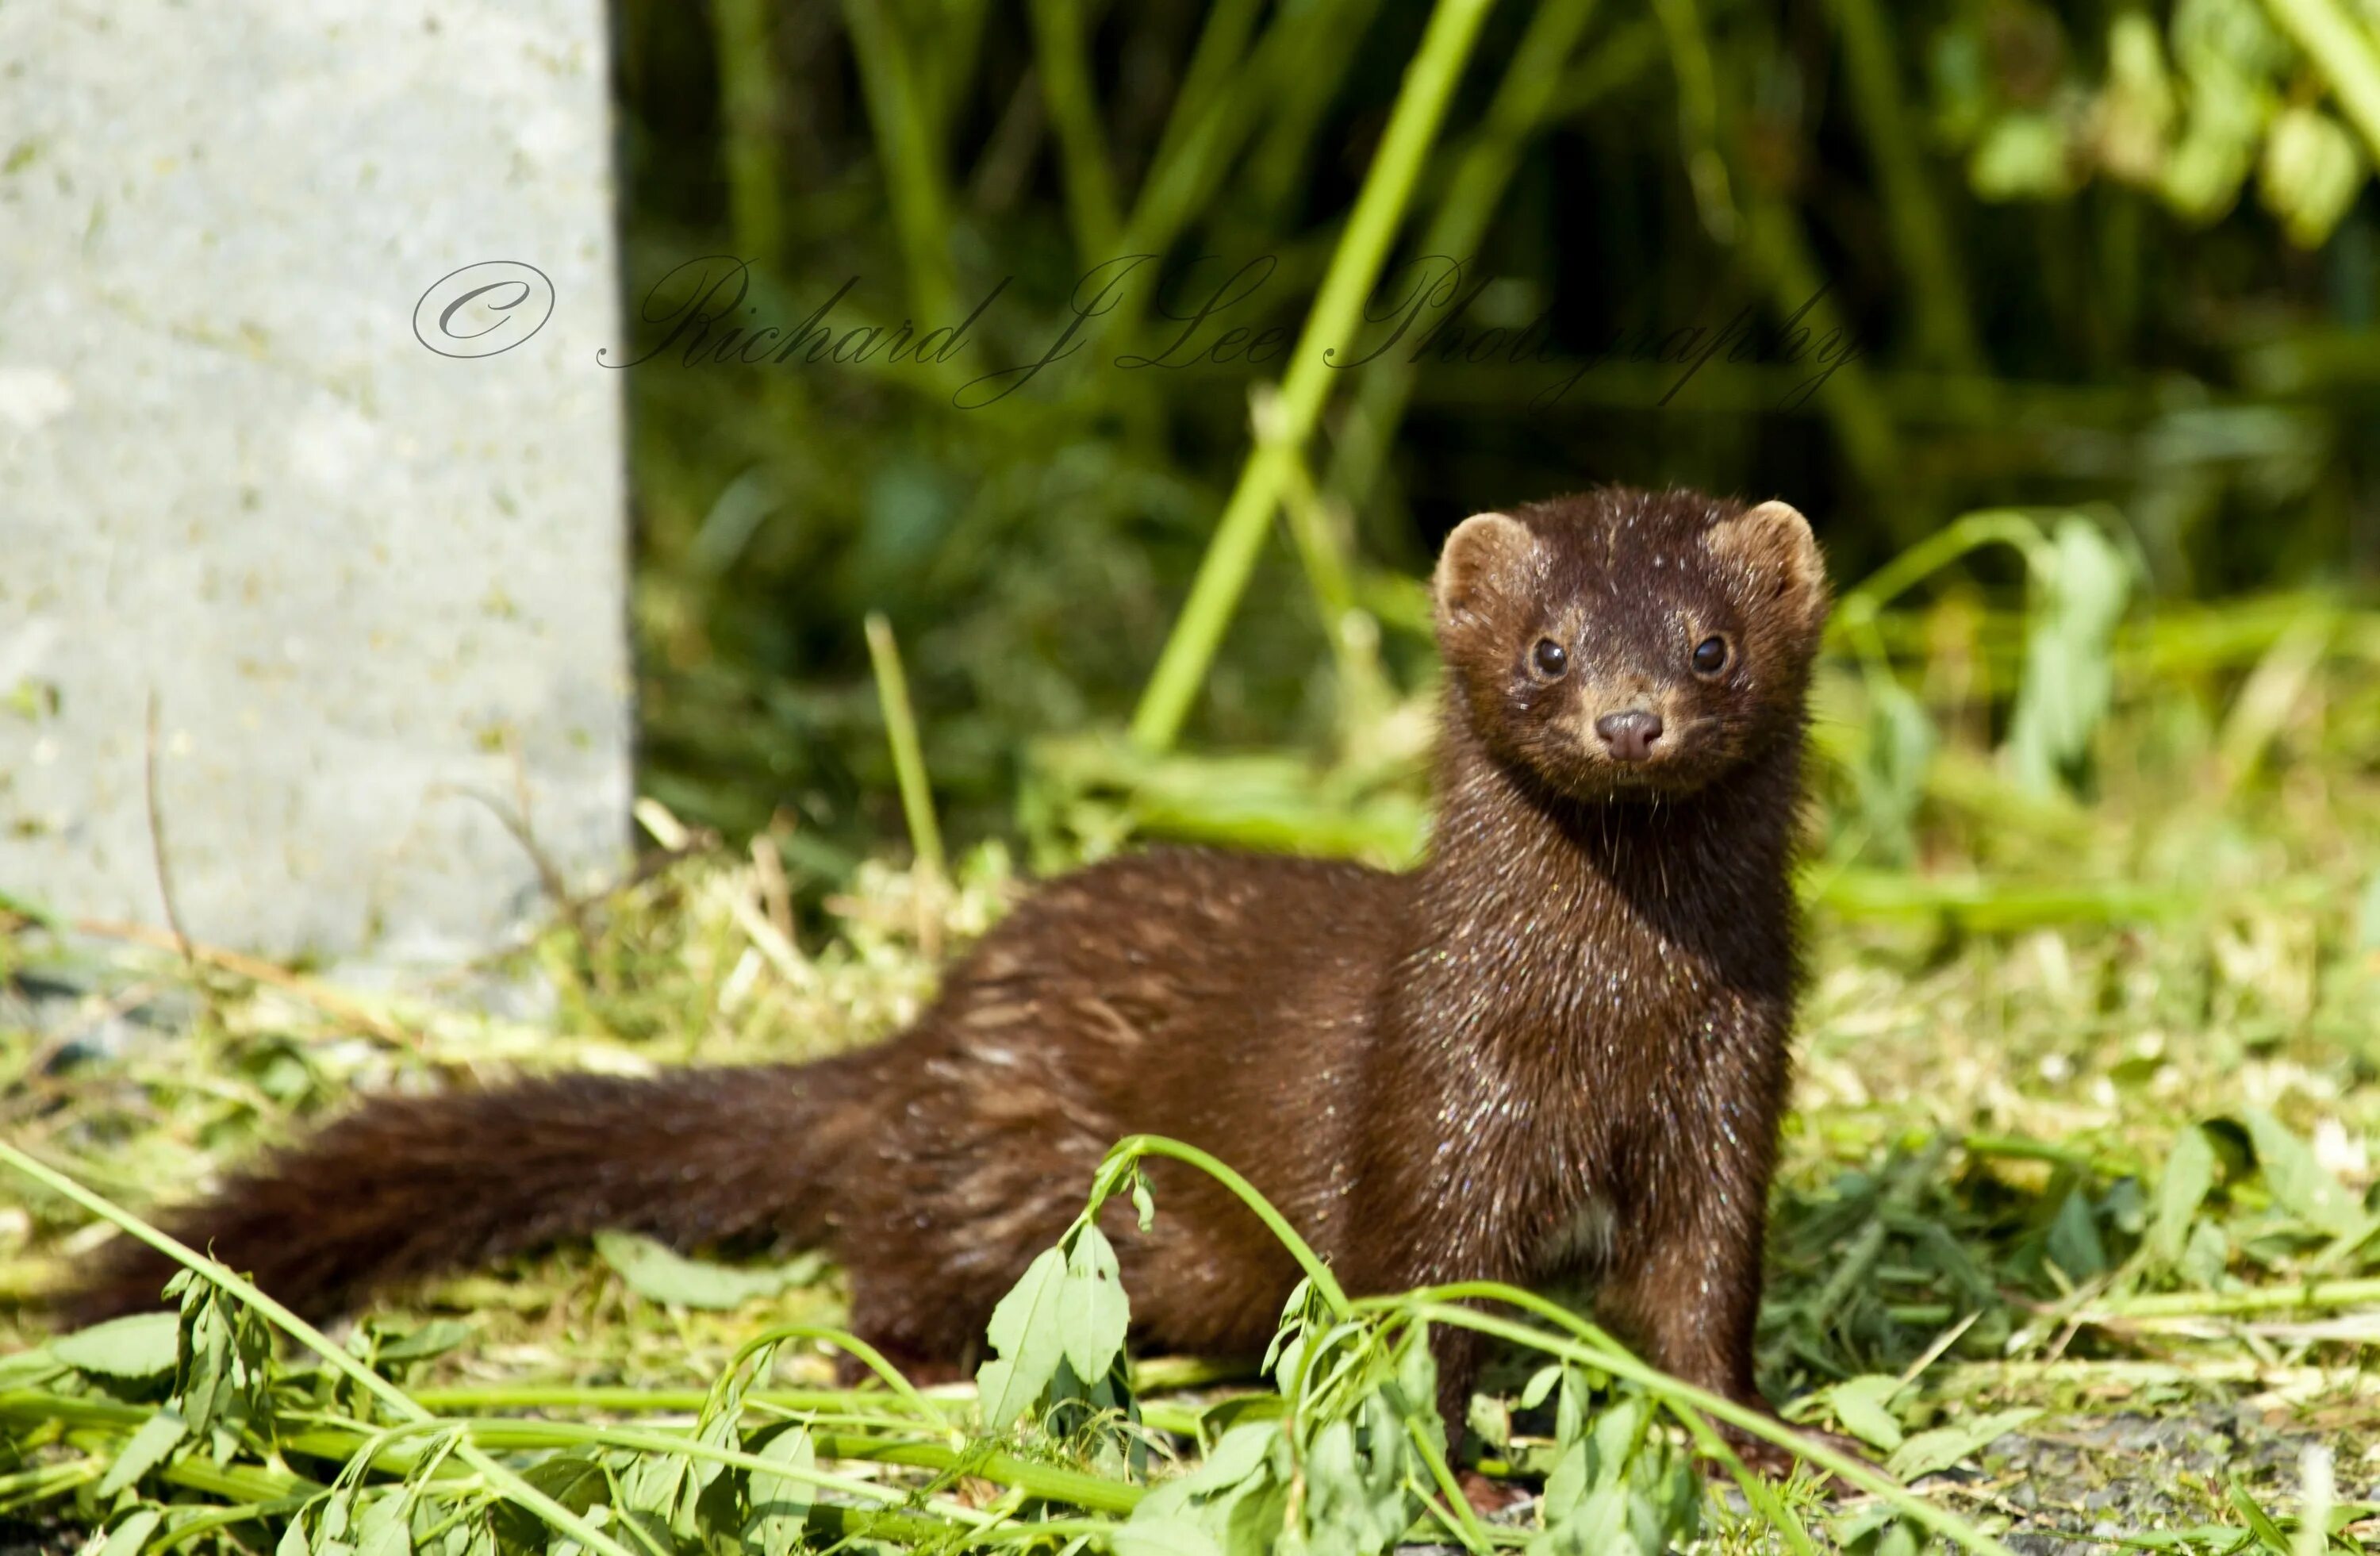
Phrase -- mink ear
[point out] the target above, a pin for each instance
(1773, 543)
(1488, 555)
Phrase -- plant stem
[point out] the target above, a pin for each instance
(1355, 267)
(1474, 191)
(1757, 1423)
(747, 103)
(2313, 1297)
(514, 1488)
(1059, 46)
(1689, 58)
(909, 757)
(1326, 1286)
(1871, 61)
(902, 126)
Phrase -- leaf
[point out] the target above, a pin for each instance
(2260, 1523)
(659, 1274)
(2068, 658)
(657, 1486)
(2022, 156)
(158, 1436)
(140, 1347)
(2311, 173)
(2075, 1243)
(2299, 1184)
(202, 1378)
(1239, 1467)
(573, 1479)
(1945, 1446)
(1026, 1330)
(128, 1537)
(1541, 1384)
(2189, 1175)
(430, 1340)
(1863, 1408)
(1892, 771)
(387, 1529)
(1355, 1496)
(1160, 1537)
(1092, 1311)
(780, 1503)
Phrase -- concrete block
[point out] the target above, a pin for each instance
(376, 592)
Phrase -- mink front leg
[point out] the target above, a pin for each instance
(1684, 1280)
(1686, 1293)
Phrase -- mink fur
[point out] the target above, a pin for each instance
(1555, 1051)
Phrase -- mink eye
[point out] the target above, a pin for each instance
(1710, 656)
(1551, 659)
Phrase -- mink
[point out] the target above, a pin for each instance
(1555, 1052)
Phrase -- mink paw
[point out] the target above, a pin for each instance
(1488, 1497)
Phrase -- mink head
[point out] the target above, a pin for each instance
(1627, 643)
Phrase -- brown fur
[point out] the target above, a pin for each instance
(1557, 1049)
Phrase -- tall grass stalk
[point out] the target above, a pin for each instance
(1355, 267)
(1474, 191)
(912, 154)
(908, 754)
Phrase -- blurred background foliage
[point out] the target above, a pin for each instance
(2090, 372)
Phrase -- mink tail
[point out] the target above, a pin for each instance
(407, 1187)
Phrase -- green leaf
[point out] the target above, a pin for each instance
(202, 1378)
(1863, 1408)
(658, 1487)
(431, 1339)
(2069, 654)
(1356, 1496)
(780, 1503)
(158, 1436)
(1240, 1469)
(387, 1529)
(660, 1274)
(1027, 1332)
(2189, 1175)
(140, 1347)
(2311, 173)
(1160, 1537)
(2074, 1244)
(128, 1537)
(2022, 156)
(574, 1480)
(1892, 769)
(1945, 1446)
(2299, 1184)
(1092, 1312)
(2260, 1523)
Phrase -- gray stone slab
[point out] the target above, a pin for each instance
(375, 591)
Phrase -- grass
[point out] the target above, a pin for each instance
(2072, 1222)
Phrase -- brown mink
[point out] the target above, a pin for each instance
(1557, 1049)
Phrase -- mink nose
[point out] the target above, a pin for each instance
(1629, 735)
